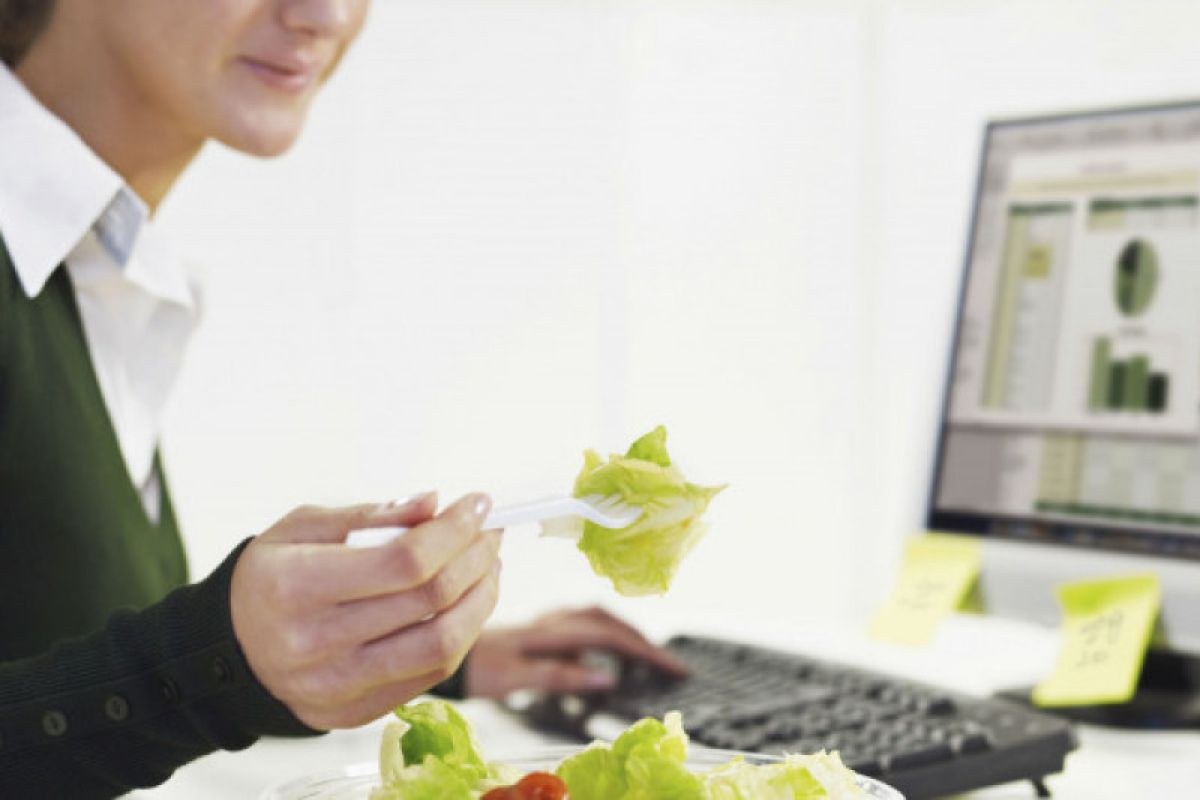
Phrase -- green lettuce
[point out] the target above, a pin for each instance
(810, 777)
(666, 738)
(431, 753)
(593, 774)
(641, 558)
(429, 780)
(436, 730)
(646, 762)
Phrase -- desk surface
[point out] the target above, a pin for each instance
(1108, 764)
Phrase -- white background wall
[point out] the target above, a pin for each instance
(518, 228)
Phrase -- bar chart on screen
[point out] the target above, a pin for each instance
(1124, 377)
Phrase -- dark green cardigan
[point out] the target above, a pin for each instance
(112, 672)
(76, 541)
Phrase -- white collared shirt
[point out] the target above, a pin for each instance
(59, 202)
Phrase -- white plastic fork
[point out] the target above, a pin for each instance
(605, 511)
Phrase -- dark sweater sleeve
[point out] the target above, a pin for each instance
(123, 708)
(454, 687)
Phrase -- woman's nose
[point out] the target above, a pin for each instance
(324, 18)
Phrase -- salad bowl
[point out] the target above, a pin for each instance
(355, 782)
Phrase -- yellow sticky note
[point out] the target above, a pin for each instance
(1107, 626)
(936, 577)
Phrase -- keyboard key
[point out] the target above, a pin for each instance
(783, 730)
(940, 706)
(818, 724)
(851, 717)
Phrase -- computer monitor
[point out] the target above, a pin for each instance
(1069, 440)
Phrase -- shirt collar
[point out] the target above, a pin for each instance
(56, 189)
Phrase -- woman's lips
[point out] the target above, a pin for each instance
(291, 79)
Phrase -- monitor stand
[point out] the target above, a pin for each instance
(1167, 697)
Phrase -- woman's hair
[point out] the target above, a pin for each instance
(20, 23)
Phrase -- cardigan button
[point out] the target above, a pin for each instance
(168, 690)
(54, 723)
(116, 708)
(221, 671)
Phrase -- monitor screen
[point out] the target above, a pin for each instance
(1072, 412)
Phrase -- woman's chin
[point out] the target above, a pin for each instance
(264, 141)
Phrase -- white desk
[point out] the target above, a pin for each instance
(972, 655)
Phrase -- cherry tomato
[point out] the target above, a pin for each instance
(541, 786)
(500, 793)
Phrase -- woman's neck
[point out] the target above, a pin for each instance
(138, 141)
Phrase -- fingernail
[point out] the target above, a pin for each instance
(410, 500)
(482, 505)
(600, 680)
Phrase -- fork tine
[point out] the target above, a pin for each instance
(622, 513)
(609, 511)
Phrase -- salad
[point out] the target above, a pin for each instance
(641, 558)
(431, 753)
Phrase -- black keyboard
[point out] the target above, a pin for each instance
(924, 741)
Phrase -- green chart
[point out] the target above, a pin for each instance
(1125, 384)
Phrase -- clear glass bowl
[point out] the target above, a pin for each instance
(355, 782)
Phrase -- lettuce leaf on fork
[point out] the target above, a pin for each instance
(641, 558)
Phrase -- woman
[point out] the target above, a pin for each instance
(113, 673)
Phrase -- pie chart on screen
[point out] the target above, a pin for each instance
(1136, 277)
